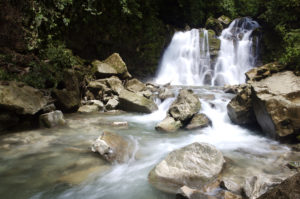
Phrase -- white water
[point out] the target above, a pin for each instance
(236, 56)
(186, 60)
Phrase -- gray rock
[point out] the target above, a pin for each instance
(276, 104)
(67, 101)
(135, 85)
(52, 119)
(134, 102)
(112, 104)
(165, 93)
(195, 165)
(199, 121)
(185, 106)
(113, 147)
(20, 98)
(169, 124)
(89, 109)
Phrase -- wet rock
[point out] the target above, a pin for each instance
(147, 94)
(135, 85)
(120, 124)
(214, 44)
(199, 121)
(169, 124)
(97, 103)
(113, 65)
(67, 101)
(214, 24)
(276, 104)
(231, 186)
(20, 98)
(229, 195)
(134, 102)
(288, 189)
(296, 147)
(89, 109)
(48, 108)
(165, 93)
(225, 21)
(240, 109)
(113, 147)
(52, 119)
(186, 105)
(195, 165)
(186, 192)
(262, 72)
(294, 165)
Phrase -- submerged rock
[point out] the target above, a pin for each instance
(134, 102)
(194, 165)
(169, 124)
(288, 189)
(276, 103)
(113, 147)
(199, 121)
(52, 119)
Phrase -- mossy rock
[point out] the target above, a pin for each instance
(214, 43)
(214, 24)
(225, 21)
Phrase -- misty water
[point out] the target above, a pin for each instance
(58, 162)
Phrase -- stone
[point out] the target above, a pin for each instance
(214, 24)
(288, 189)
(115, 84)
(186, 105)
(89, 109)
(195, 165)
(186, 192)
(135, 85)
(52, 119)
(294, 165)
(169, 124)
(113, 147)
(225, 21)
(276, 104)
(231, 186)
(229, 195)
(48, 108)
(112, 104)
(8, 120)
(199, 121)
(133, 102)
(21, 99)
(165, 93)
(240, 109)
(113, 65)
(259, 73)
(67, 101)
(214, 43)
(97, 103)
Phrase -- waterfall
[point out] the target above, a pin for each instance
(186, 59)
(236, 55)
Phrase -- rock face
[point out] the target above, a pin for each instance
(276, 103)
(185, 106)
(240, 109)
(199, 121)
(288, 189)
(20, 98)
(134, 102)
(113, 65)
(113, 147)
(52, 119)
(169, 124)
(194, 165)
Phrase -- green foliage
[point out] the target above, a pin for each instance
(291, 55)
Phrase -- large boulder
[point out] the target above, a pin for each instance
(113, 147)
(133, 102)
(169, 124)
(113, 65)
(52, 119)
(186, 105)
(66, 100)
(288, 189)
(276, 103)
(21, 99)
(214, 24)
(195, 165)
(240, 109)
(199, 121)
(135, 85)
(225, 21)
(262, 72)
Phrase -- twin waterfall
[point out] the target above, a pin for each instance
(187, 60)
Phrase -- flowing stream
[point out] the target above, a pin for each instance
(58, 162)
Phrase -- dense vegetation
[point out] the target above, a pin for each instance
(39, 39)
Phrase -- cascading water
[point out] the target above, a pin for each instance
(186, 60)
(237, 55)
